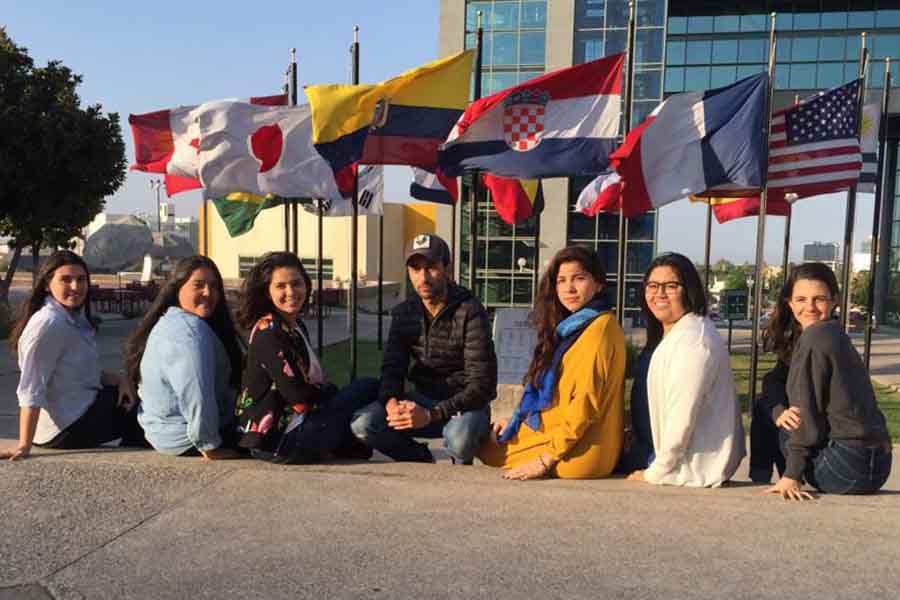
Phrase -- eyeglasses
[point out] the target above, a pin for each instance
(668, 287)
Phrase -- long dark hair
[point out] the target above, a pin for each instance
(784, 330)
(255, 299)
(693, 299)
(220, 321)
(40, 291)
(548, 310)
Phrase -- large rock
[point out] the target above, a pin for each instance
(173, 246)
(118, 246)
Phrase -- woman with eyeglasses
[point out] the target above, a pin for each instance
(838, 440)
(695, 417)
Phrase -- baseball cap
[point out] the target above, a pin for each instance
(430, 246)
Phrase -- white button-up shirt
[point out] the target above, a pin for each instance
(60, 368)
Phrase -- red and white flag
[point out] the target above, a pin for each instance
(603, 194)
(168, 141)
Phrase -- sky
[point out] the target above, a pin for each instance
(135, 60)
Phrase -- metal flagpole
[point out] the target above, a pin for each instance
(295, 205)
(787, 226)
(708, 240)
(851, 193)
(623, 222)
(319, 278)
(876, 215)
(287, 203)
(474, 188)
(761, 220)
(453, 213)
(354, 234)
(205, 225)
(535, 277)
(380, 303)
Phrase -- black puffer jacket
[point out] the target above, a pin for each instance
(452, 361)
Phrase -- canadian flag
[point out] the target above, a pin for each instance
(168, 141)
(603, 194)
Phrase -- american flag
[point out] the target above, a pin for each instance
(813, 148)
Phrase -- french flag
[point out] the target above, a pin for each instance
(560, 124)
(692, 142)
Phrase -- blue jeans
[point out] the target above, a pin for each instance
(840, 468)
(326, 431)
(463, 433)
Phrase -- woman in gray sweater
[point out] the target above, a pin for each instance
(840, 444)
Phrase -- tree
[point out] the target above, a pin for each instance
(859, 289)
(63, 160)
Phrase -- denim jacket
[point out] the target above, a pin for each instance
(184, 391)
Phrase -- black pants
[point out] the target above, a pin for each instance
(765, 449)
(103, 422)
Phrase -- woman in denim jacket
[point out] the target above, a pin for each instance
(186, 358)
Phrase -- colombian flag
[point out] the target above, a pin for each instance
(400, 121)
(515, 199)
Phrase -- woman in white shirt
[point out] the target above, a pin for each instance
(695, 416)
(65, 400)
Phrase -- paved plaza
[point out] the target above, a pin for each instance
(115, 523)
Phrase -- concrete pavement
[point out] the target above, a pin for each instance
(113, 523)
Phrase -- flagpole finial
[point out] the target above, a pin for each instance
(478, 16)
(356, 34)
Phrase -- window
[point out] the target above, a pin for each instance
(722, 76)
(650, 13)
(674, 80)
(750, 51)
(805, 48)
(727, 23)
(648, 45)
(834, 20)
(500, 254)
(700, 25)
(860, 19)
(754, 23)
(522, 293)
(783, 50)
(532, 48)
(472, 10)
(675, 53)
(647, 84)
(830, 75)
(784, 21)
(589, 13)
(245, 263)
(526, 75)
(534, 14)
(745, 71)
(505, 16)
(617, 13)
(310, 265)
(638, 257)
(886, 44)
(888, 18)
(724, 51)
(803, 77)
(831, 48)
(677, 25)
(616, 41)
(782, 77)
(580, 226)
(851, 47)
(588, 46)
(696, 79)
(698, 51)
(505, 48)
(498, 291)
(806, 21)
(641, 228)
(641, 110)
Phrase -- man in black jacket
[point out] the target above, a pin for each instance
(440, 340)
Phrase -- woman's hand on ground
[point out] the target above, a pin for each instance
(789, 489)
(127, 396)
(497, 428)
(789, 419)
(15, 454)
(635, 476)
(533, 469)
(220, 454)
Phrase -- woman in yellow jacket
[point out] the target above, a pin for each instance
(570, 420)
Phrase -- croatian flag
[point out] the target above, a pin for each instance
(560, 124)
(692, 142)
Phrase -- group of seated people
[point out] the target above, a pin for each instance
(192, 386)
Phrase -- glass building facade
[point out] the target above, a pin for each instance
(514, 51)
(681, 45)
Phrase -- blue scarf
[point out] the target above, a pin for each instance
(535, 401)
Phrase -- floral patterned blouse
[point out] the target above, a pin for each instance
(279, 384)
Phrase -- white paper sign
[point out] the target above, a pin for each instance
(514, 341)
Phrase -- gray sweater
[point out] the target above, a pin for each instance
(829, 385)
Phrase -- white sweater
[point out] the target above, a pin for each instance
(695, 416)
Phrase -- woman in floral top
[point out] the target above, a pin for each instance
(287, 412)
